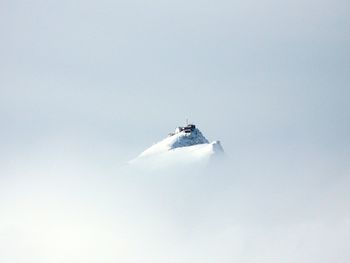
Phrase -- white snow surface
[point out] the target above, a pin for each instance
(180, 147)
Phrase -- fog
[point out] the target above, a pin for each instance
(60, 206)
(86, 86)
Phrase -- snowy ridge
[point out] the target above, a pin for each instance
(185, 145)
(176, 140)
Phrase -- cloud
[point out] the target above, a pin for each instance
(75, 212)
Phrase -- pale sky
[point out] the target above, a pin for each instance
(266, 70)
(97, 82)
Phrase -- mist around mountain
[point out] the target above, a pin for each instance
(86, 86)
(66, 205)
(186, 146)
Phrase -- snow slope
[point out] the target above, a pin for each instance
(180, 148)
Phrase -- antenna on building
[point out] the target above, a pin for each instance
(187, 121)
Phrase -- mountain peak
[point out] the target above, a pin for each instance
(182, 137)
(184, 144)
(186, 136)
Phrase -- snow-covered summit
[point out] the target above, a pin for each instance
(186, 144)
(182, 137)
